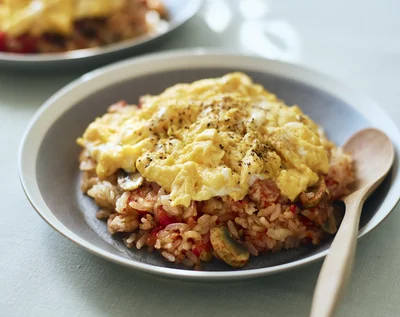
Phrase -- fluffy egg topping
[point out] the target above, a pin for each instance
(212, 137)
(36, 17)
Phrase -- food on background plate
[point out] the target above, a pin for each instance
(50, 26)
(215, 168)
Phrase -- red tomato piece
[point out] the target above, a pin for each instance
(163, 219)
(200, 248)
(24, 44)
(3, 44)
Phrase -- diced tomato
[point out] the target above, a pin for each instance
(156, 230)
(293, 208)
(24, 44)
(151, 240)
(201, 248)
(163, 219)
(196, 252)
(3, 44)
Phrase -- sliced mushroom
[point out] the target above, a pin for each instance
(227, 248)
(129, 181)
(313, 198)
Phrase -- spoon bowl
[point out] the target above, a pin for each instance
(373, 156)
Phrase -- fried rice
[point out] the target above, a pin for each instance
(135, 18)
(264, 221)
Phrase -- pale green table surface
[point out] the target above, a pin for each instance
(43, 274)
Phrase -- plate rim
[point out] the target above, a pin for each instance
(206, 59)
(192, 7)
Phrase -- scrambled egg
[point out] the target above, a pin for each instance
(18, 17)
(212, 137)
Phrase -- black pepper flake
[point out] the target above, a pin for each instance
(221, 146)
(208, 125)
(248, 173)
(147, 165)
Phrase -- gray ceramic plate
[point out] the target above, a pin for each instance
(49, 165)
(179, 11)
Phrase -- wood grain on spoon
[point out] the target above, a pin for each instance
(373, 156)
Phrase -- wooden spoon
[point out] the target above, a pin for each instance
(373, 156)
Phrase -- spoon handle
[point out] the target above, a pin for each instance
(338, 263)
